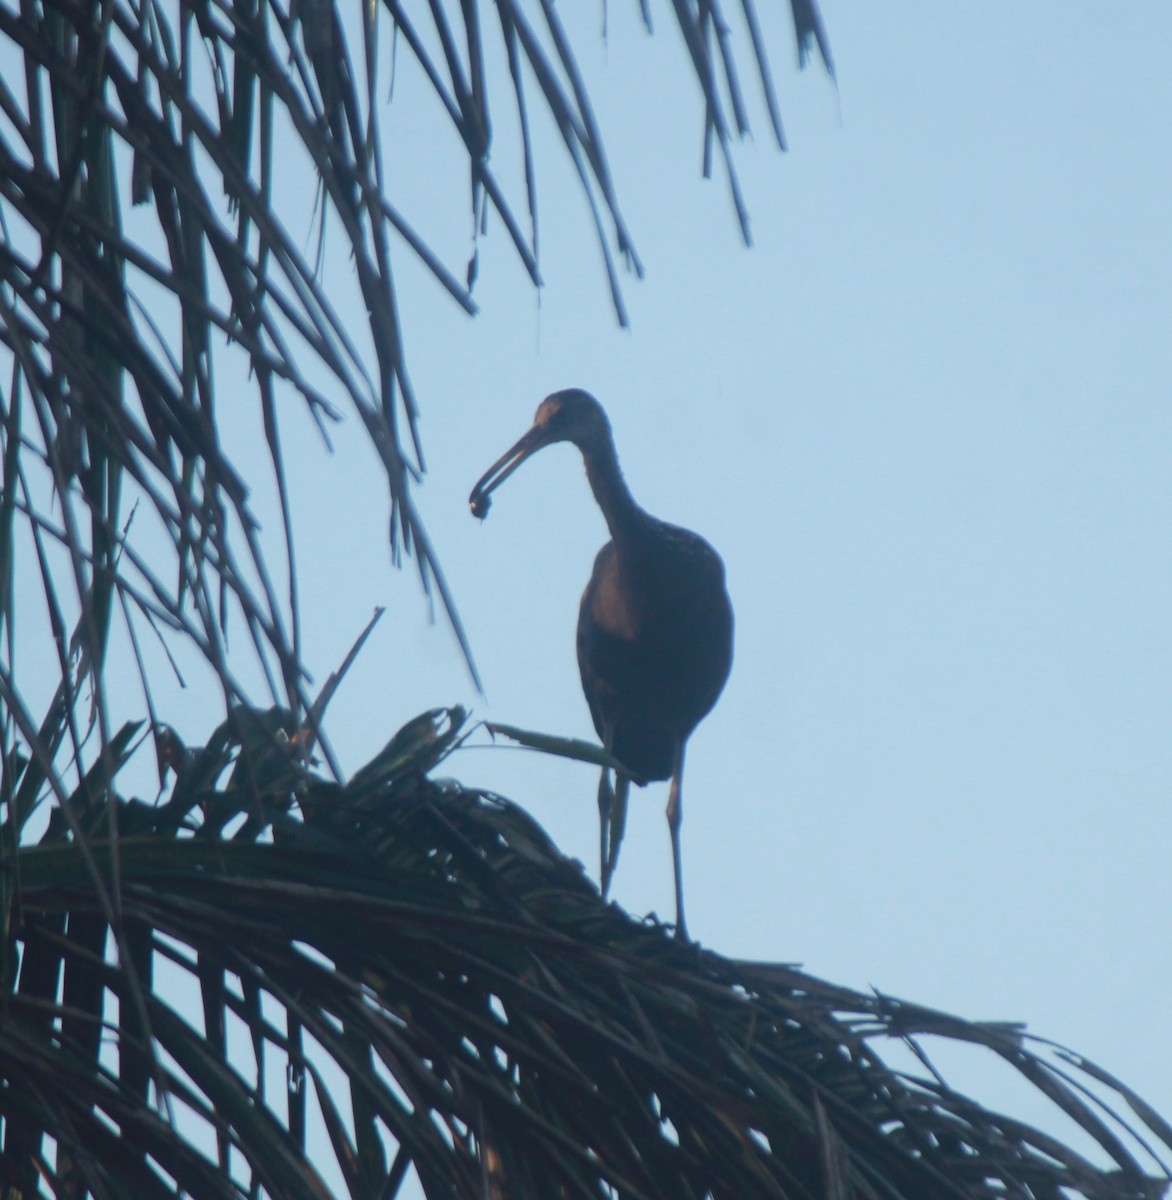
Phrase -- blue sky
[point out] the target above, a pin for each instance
(926, 421)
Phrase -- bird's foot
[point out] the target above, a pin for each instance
(617, 825)
(605, 806)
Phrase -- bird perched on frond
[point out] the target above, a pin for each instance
(655, 627)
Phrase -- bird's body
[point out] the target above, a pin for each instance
(654, 644)
(654, 627)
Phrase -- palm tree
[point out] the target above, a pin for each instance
(272, 979)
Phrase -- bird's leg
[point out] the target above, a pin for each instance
(674, 817)
(618, 822)
(605, 804)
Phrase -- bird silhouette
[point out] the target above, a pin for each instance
(655, 626)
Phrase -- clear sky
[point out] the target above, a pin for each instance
(927, 422)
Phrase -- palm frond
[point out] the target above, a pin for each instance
(342, 986)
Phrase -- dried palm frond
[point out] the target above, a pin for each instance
(336, 987)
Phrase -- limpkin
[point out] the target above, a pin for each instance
(655, 626)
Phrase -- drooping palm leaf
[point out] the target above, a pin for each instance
(400, 977)
(151, 273)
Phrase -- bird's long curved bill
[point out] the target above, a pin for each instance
(504, 466)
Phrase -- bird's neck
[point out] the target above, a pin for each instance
(610, 489)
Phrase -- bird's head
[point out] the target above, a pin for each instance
(571, 415)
